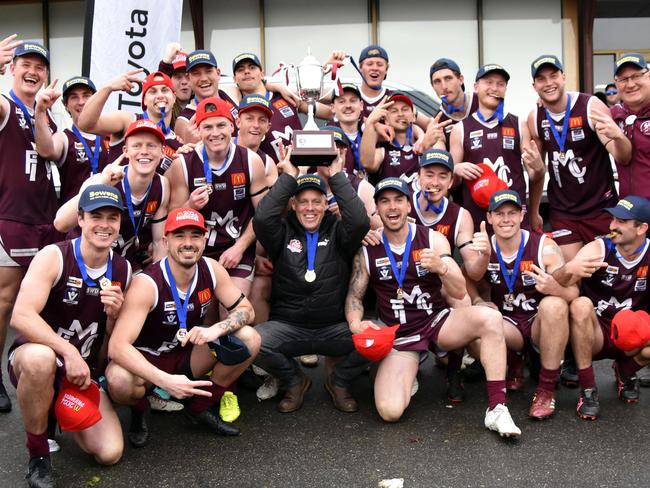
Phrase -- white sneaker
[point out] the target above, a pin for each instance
(499, 420)
(309, 360)
(160, 405)
(53, 446)
(269, 389)
(415, 387)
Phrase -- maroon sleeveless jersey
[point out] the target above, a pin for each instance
(230, 208)
(75, 165)
(283, 122)
(27, 193)
(422, 301)
(621, 285)
(125, 244)
(399, 162)
(158, 334)
(188, 112)
(525, 297)
(74, 310)
(472, 99)
(446, 222)
(496, 145)
(581, 183)
(369, 104)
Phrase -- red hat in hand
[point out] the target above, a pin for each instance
(77, 409)
(482, 188)
(375, 344)
(630, 329)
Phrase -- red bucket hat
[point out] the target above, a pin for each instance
(482, 188)
(630, 329)
(375, 344)
(76, 409)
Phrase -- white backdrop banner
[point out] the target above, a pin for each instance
(124, 35)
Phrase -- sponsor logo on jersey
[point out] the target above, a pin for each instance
(612, 269)
(92, 291)
(645, 128)
(239, 193)
(169, 306)
(75, 282)
(528, 280)
(526, 266)
(382, 262)
(508, 131)
(492, 135)
(417, 255)
(279, 103)
(577, 134)
(287, 112)
(642, 272)
(575, 122)
(476, 133)
(294, 246)
(443, 229)
(493, 267)
(152, 207)
(168, 151)
(238, 179)
(205, 295)
(323, 243)
(640, 284)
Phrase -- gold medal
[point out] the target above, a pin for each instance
(181, 334)
(136, 242)
(400, 294)
(509, 298)
(105, 283)
(209, 188)
(562, 158)
(310, 275)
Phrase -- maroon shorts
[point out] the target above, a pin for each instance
(246, 267)
(425, 338)
(176, 361)
(609, 349)
(525, 328)
(569, 231)
(20, 242)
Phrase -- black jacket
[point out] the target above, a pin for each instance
(293, 299)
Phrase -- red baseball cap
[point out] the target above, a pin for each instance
(184, 217)
(630, 329)
(482, 188)
(180, 61)
(156, 78)
(145, 125)
(76, 409)
(401, 97)
(213, 107)
(375, 344)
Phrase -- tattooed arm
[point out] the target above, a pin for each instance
(552, 260)
(356, 291)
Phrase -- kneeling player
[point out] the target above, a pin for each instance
(410, 294)
(68, 302)
(159, 338)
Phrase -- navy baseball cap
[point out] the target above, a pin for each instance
(492, 68)
(373, 51)
(229, 350)
(339, 135)
(637, 59)
(545, 60)
(310, 181)
(31, 47)
(201, 56)
(437, 156)
(501, 197)
(246, 57)
(631, 207)
(444, 63)
(392, 183)
(99, 196)
(254, 100)
(345, 87)
(78, 81)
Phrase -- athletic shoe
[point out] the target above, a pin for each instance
(212, 422)
(39, 473)
(269, 389)
(455, 388)
(499, 420)
(543, 405)
(5, 401)
(588, 405)
(161, 405)
(415, 386)
(515, 378)
(229, 407)
(569, 373)
(628, 386)
(53, 446)
(644, 376)
(309, 360)
(138, 433)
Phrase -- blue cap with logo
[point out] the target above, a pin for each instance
(392, 183)
(545, 60)
(100, 196)
(437, 156)
(492, 68)
(339, 135)
(257, 101)
(636, 59)
(310, 181)
(246, 57)
(31, 47)
(201, 56)
(373, 51)
(502, 197)
(631, 207)
(77, 81)
(444, 63)
(229, 349)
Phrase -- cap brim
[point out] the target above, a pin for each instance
(183, 226)
(552, 65)
(619, 213)
(307, 186)
(268, 111)
(159, 135)
(95, 206)
(401, 98)
(397, 189)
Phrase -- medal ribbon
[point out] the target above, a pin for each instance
(312, 245)
(163, 127)
(409, 139)
(355, 66)
(181, 308)
(21, 106)
(560, 139)
(206, 165)
(355, 145)
(93, 156)
(508, 278)
(430, 206)
(82, 265)
(450, 109)
(498, 114)
(401, 273)
(612, 247)
(129, 203)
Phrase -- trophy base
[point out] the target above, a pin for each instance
(313, 148)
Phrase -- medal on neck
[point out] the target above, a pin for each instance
(451, 109)
(105, 281)
(400, 273)
(23, 109)
(430, 205)
(312, 245)
(129, 204)
(510, 277)
(409, 139)
(207, 170)
(181, 308)
(498, 114)
(93, 156)
(560, 139)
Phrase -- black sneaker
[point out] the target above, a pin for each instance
(5, 401)
(39, 474)
(644, 376)
(588, 405)
(627, 386)
(569, 373)
(455, 388)
(138, 433)
(212, 422)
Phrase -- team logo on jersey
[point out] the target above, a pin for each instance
(575, 122)
(238, 179)
(239, 193)
(170, 318)
(577, 134)
(394, 157)
(443, 229)
(80, 153)
(477, 143)
(547, 134)
(205, 295)
(495, 277)
(609, 279)
(385, 273)
(295, 246)
(71, 296)
(75, 282)
(323, 243)
(21, 119)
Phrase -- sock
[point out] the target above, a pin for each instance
(202, 403)
(515, 364)
(142, 406)
(547, 379)
(454, 362)
(628, 367)
(37, 445)
(586, 378)
(496, 393)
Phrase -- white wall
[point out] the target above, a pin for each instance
(629, 34)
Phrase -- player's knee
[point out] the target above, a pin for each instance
(110, 454)
(491, 320)
(554, 310)
(37, 365)
(390, 410)
(581, 309)
(120, 383)
(251, 338)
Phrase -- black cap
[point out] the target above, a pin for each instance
(502, 197)
(636, 59)
(99, 196)
(229, 350)
(392, 183)
(255, 101)
(631, 207)
(444, 63)
(310, 181)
